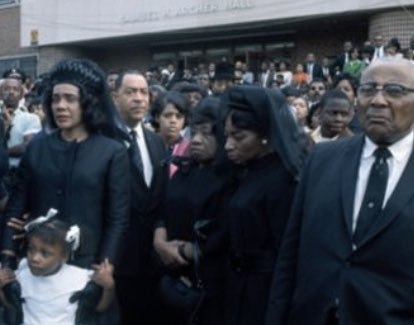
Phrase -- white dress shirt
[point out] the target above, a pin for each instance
(23, 124)
(310, 71)
(145, 157)
(400, 153)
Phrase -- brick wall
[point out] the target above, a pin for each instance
(398, 23)
(10, 32)
(48, 56)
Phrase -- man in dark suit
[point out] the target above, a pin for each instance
(343, 58)
(137, 276)
(313, 69)
(347, 254)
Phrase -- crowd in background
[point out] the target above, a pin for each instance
(178, 178)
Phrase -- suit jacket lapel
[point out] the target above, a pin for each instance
(350, 166)
(399, 198)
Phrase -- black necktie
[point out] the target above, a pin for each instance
(135, 153)
(373, 200)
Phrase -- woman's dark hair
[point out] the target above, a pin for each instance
(314, 109)
(394, 42)
(208, 111)
(52, 233)
(98, 111)
(348, 77)
(180, 102)
(92, 116)
(34, 101)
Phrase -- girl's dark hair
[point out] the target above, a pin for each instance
(52, 233)
(179, 100)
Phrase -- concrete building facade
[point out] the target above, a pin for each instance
(139, 33)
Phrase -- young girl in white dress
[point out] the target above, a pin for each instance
(49, 286)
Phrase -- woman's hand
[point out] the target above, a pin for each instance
(6, 276)
(103, 275)
(168, 252)
(18, 225)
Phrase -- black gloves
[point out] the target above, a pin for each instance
(88, 299)
(13, 292)
(8, 261)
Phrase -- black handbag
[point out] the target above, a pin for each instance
(181, 294)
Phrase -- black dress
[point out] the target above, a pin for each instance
(87, 182)
(258, 211)
(197, 193)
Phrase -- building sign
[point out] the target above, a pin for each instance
(63, 21)
(188, 10)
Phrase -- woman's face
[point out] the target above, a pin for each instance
(171, 122)
(66, 108)
(242, 145)
(299, 68)
(346, 87)
(301, 108)
(203, 145)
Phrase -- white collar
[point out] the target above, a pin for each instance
(399, 150)
(138, 129)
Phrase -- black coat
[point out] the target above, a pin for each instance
(258, 212)
(318, 266)
(145, 210)
(87, 182)
(196, 194)
(317, 72)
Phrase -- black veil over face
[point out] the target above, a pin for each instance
(269, 116)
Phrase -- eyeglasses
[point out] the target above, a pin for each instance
(390, 90)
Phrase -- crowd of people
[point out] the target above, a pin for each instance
(222, 197)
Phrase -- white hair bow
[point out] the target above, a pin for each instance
(73, 237)
(40, 220)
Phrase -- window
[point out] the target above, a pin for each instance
(8, 2)
(27, 63)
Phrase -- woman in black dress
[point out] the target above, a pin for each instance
(80, 169)
(194, 207)
(262, 139)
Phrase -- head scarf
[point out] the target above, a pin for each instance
(272, 118)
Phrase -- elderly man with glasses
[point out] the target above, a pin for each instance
(347, 254)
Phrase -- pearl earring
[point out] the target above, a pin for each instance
(264, 142)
